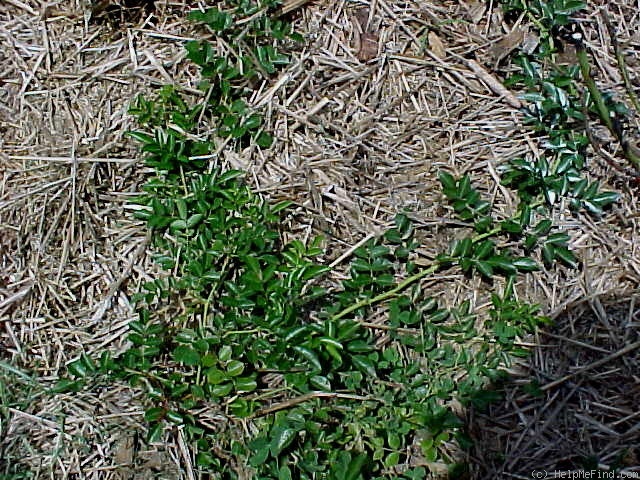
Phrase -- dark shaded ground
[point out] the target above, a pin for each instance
(576, 404)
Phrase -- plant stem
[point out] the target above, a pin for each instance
(388, 294)
(488, 234)
(601, 107)
(585, 69)
(622, 65)
(305, 398)
(404, 284)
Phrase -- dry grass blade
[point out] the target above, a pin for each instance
(289, 6)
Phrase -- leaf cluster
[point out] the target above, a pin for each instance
(245, 326)
(550, 17)
(556, 113)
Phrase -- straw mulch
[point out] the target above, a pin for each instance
(380, 97)
(575, 406)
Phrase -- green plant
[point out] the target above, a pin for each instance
(246, 329)
(556, 108)
(609, 111)
(245, 321)
(251, 36)
(555, 111)
(549, 17)
(17, 390)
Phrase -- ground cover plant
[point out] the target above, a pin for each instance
(252, 306)
(248, 351)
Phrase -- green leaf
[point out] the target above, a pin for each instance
(155, 432)
(278, 207)
(284, 473)
(566, 256)
(392, 460)
(334, 352)
(194, 219)
(175, 417)
(603, 199)
(181, 205)
(238, 106)
(204, 459)
(154, 414)
(360, 346)
(364, 364)
(485, 269)
(502, 263)
(230, 175)
(77, 368)
(320, 382)
(429, 451)
(447, 181)
(264, 140)
(235, 368)
(530, 242)
(178, 225)
(141, 137)
(241, 408)
(214, 17)
(548, 254)
(245, 384)
(260, 447)
(483, 224)
(281, 439)
(222, 390)
(354, 470)
(331, 341)
(462, 247)
(464, 186)
(311, 357)
(525, 264)
(67, 385)
(216, 376)
(225, 353)
(393, 440)
(560, 239)
(439, 316)
(186, 355)
(511, 226)
(571, 6)
(253, 122)
(483, 250)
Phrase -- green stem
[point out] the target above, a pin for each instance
(405, 283)
(598, 100)
(388, 294)
(601, 107)
(240, 332)
(412, 279)
(533, 18)
(622, 65)
(488, 234)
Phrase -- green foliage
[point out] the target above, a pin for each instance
(511, 319)
(242, 328)
(555, 111)
(362, 406)
(466, 201)
(548, 16)
(481, 253)
(247, 28)
(554, 93)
